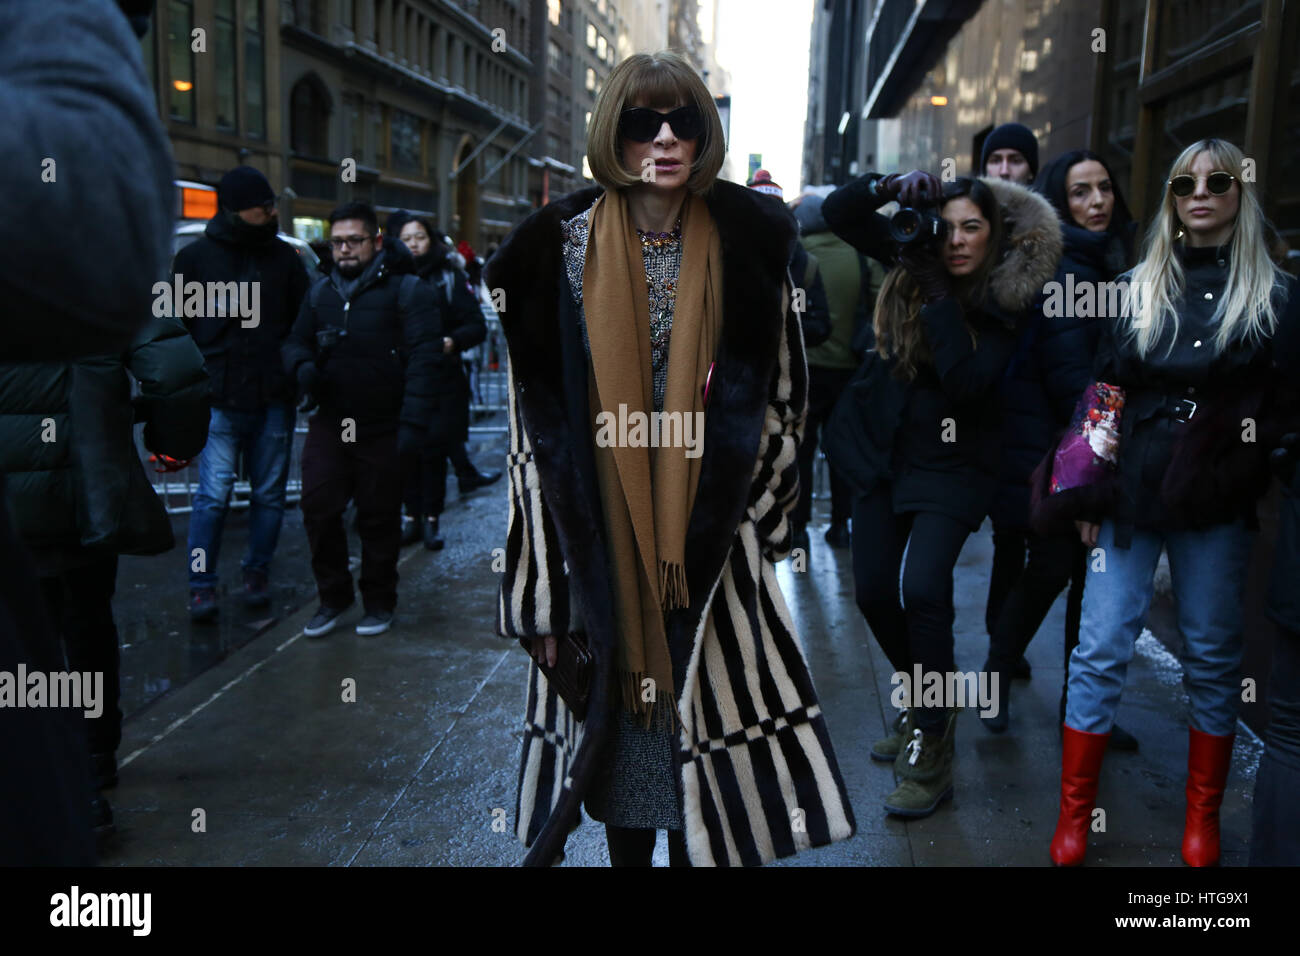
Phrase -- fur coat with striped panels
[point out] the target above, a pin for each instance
(757, 774)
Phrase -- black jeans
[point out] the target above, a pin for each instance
(424, 481)
(902, 575)
(635, 847)
(1054, 562)
(365, 470)
(1275, 834)
(824, 388)
(79, 602)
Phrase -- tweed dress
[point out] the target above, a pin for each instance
(637, 787)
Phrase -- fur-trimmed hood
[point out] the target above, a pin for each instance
(1032, 244)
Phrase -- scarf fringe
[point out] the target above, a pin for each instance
(672, 585)
(660, 714)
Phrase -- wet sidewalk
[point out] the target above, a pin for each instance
(266, 752)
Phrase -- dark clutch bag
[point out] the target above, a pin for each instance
(571, 675)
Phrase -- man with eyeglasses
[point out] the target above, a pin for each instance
(365, 349)
(252, 397)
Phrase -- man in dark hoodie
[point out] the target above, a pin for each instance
(252, 397)
(365, 347)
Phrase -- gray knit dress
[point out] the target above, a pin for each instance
(636, 783)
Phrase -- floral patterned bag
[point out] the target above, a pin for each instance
(1089, 450)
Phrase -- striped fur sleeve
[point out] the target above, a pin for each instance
(534, 599)
(775, 489)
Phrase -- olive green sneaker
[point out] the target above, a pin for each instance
(923, 770)
(886, 748)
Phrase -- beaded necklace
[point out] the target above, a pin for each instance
(657, 240)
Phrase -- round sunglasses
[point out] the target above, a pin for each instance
(642, 124)
(1218, 183)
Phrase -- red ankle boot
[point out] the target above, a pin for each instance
(1208, 759)
(1081, 755)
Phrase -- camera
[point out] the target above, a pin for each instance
(911, 225)
(328, 338)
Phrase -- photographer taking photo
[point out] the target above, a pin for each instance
(918, 430)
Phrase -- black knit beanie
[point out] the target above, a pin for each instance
(1011, 136)
(244, 188)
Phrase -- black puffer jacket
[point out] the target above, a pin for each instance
(1199, 472)
(463, 324)
(244, 363)
(1051, 368)
(387, 367)
(902, 426)
(75, 484)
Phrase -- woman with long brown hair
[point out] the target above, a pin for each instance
(928, 416)
(657, 396)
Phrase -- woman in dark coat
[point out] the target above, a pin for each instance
(1200, 415)
(662, 294)
(1051, 368)
(945, 329)
(424, 477)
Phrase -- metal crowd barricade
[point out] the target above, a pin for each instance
(177, 489)
(486, 365)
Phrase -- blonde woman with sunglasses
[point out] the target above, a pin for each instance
(1194, 358)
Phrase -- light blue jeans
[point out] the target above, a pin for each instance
(1208, 568)
(265, 437)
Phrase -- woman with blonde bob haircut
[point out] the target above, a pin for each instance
(658, 388)
(1201, 410)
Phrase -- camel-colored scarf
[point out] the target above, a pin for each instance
(647, 493)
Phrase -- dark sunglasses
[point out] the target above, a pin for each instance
(1218, 183)
(642, 124)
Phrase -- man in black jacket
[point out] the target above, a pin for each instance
(252, 397)
(365, 348)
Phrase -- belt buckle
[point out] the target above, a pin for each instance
(1178, 413)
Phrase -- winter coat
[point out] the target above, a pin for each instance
(805, 270)
(463, 324)
(83, 253)
(1197, 473)
(848, 279)
(76, 487)
(753, 742)
(247, 373)
(387, 368)
(1283, 595)
(1050, 369)
(935, 441)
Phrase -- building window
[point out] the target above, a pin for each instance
(591, 35)
(354, 106)
(309, 118)
(405, 130)
(254, 68)
(224, 63)
(310, 15)
(553, 11)
(553, 56)
(552, 145)
(180, 60)
(600, 47)
(379, 137)
(348, 14)
(591, 78)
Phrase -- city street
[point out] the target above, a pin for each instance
(418, 768)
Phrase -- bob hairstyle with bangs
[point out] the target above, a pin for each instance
(660, 81)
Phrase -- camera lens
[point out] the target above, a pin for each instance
(905, 225)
